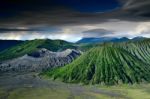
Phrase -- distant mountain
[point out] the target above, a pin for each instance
(123, 39)
(107, 39)
(91, 40)
(138, 38)
(34, 45)
(4, 44)
(102, 39)
(39, 60)
(108, 64)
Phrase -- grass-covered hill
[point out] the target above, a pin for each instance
(104, 65)
(140, 49)
(33, 45)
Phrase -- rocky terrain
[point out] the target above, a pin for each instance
(42, 59)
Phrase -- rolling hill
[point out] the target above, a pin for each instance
(28, 47)
(109, 64)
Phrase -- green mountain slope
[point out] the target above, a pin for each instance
(140, 49)
(104, 65)
(33, 45)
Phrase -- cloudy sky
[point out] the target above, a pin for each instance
(72, 20)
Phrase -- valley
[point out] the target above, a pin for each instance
(27, 85)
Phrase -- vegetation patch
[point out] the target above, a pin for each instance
(28, 47)
(105, 65)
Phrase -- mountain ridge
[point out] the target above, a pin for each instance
(33, 45)
(108, 39)
(107, 64)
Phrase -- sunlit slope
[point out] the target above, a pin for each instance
(140, 49)
(33, 45)
(104, 65)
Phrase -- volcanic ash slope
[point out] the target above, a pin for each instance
(40, 60)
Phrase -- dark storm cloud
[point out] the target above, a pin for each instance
(29, 13)
(73, 19)
(51, 12)
(20, 29)
(97, 32)
(138, 7)
(6, 30)
(23, 29)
